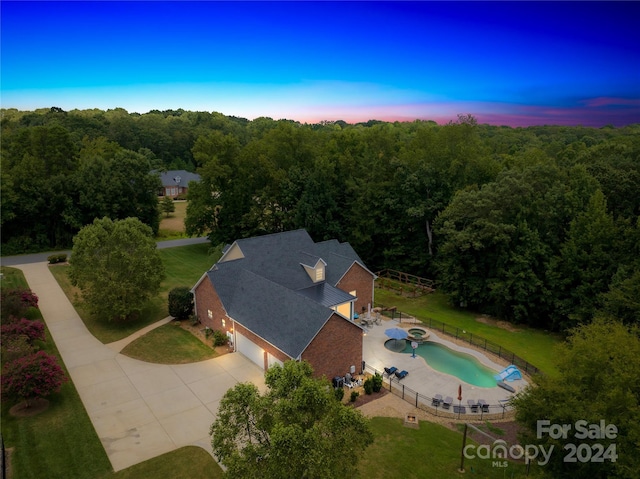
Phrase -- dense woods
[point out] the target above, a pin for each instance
(536, 225)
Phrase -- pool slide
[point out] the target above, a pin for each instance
(510, 373)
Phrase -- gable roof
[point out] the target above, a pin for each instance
(177, 177)
(268, 291)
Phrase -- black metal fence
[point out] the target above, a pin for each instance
(457, 410)
(472, 339)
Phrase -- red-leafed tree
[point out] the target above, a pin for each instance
(34, 376)
(16, 301)
(32, 330)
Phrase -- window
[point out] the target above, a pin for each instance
(223, 322)
(209, 314)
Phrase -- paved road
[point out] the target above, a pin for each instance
(42, 257)
(139, 410)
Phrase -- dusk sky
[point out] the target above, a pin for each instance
(506, 63)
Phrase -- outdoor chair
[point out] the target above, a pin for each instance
(459, 409)
(483, 405)
(402, 374)
(390, 370)
(437, 400)
(446, 404)
(472, 405)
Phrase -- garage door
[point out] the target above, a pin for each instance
(250, 350)
(273, 360)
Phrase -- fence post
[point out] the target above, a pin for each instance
(499, 351)
(457, 333)
(470, 338)
(403, 391)
(485, 344)
(416, 399)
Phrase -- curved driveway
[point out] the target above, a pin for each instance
(139, 410)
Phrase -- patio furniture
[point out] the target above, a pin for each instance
(472, 405)
(483, 405)
(390, 370)
(460, 409)
(446, 404)
(437, 400)
(402, 374)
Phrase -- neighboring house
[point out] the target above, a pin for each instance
(176, 182)
(282, 296)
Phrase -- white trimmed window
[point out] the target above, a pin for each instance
(209, 314)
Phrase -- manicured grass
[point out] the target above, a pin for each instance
(430, 451)
(183, 265)
(189, 462)
(169, 344)
(12, 278)
(533, 345)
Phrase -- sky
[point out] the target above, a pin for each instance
(506, 63)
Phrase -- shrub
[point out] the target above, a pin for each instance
(33, 376)
(219, 338)
(57, 258)
(354, 396)
(377, 383)
(31, 330)
(180, 302)
(368, 386)
(16, 301)
(339, 393)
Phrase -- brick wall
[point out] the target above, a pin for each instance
(336, 348)
(360, 280)
(207, 300)
(262, 343)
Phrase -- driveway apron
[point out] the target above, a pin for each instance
(139, 410)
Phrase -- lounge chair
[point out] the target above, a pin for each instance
(472, 405)
(483, 405)
(460, 409)
(437, 400)
(446, 404)
(390, 370)
(402, 374)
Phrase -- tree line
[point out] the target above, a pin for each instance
(536, 225)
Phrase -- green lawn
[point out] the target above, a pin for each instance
(183, 266)
(533, 345)
(12, 278)
(430, 451)
(169, 344)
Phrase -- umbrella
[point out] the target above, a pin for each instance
(396, 333)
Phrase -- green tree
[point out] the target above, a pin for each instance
(117, 267)
(295, 429)
(599, 380)
(167, 206)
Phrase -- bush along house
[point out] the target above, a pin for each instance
(283, 296)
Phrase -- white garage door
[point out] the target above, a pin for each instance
(250, 350)
(273, 360)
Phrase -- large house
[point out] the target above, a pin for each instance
(176, 182)
(283, 296)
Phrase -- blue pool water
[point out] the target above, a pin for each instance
(460, 365)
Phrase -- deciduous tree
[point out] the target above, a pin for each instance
(117, 266)
(599, 379)
(296, 429)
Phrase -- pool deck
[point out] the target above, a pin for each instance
(426, 380)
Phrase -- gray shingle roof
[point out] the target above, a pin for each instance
(170, 178)
(269, 292)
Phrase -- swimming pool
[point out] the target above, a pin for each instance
(461, 365)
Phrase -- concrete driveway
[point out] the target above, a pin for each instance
(139, 410)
